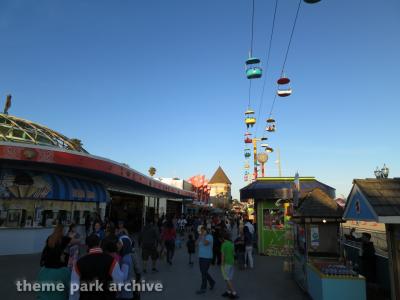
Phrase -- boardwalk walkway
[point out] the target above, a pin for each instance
(180, 281)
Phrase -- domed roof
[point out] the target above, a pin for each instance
(16, 130)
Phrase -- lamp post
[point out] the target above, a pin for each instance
(255, 140)
(382, 173)
(262, 159)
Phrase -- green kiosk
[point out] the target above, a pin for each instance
(273, 198)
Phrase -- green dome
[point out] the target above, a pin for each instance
(16, 130)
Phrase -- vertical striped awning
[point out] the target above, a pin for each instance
(23, 184)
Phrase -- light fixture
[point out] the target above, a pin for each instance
(377, 172)
(385, 171)
(324, 221)
(382, 173)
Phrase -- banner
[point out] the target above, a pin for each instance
(314, 232)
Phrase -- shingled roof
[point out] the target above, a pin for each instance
(318, 203)
(382, 194)
(274, 188)
(219, 177)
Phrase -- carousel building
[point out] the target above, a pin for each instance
(46, 178)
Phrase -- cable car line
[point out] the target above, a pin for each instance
(254, 71)
(251, 46)
(252, 30)
(267, 63)
(248, 106)
(291, 37)
(286, 55)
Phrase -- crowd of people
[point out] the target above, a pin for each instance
(110, 254)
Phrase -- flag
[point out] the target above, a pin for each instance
(296, 189)
(7, 105)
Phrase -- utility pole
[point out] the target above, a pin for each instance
(255, 140)
(279, 163)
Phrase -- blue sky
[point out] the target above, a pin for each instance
(161, 83)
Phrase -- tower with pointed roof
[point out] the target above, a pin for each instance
(220, 192)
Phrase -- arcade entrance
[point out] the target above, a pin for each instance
(127, 208)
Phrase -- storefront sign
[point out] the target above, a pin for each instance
(314, 232)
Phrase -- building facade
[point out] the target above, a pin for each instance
(47, 178)
(220, 189)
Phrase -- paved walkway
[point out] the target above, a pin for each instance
(265, 281)
(180, 281)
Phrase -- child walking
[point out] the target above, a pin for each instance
(227, 262)
(191, 247)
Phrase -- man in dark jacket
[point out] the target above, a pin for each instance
(368, 261)
(94, 273)
(149, 239)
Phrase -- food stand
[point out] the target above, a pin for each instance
(317, 261)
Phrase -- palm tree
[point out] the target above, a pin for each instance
(77, 143)
(152, 171)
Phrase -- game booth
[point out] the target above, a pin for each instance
(317, 264)
(272, 202)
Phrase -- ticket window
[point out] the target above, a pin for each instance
(47, 218)
(16, 218)
(64, 217)
(3, 217)
(76, 217)
(87, 214)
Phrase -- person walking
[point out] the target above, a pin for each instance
(149, 239)
(196, 227)
(129, 268)
(110, 241)
(168, 237)
(73, 246)
(121, 230)
(248, 242)
(95, 267)
(240, 251)
(216, 233)
(205, 242)
(88, 224)
(53, 264)
(228, 261)
(98, 230)
(191, 247)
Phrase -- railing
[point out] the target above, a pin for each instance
(377, 237)
(352, 250)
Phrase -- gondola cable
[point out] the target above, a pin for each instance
(251, 46)
(252, 29)
(291, 37)
(248, 106)
(287, 53)
(267, 63)
(253, 71)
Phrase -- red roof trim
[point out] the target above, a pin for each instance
(42, 154)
